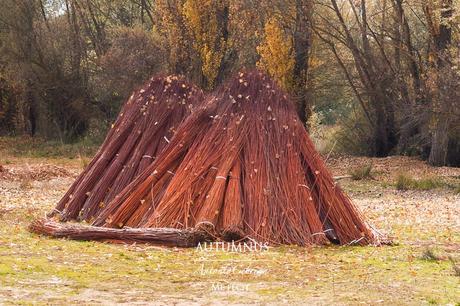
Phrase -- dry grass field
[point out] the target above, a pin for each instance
(422, 267)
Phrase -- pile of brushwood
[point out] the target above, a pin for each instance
(242, 164)
(145, 125)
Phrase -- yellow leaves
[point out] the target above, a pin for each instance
(201, 18)
(193, 34)
(211, 63)
(276, 54)
(315, 62)
(170, 30)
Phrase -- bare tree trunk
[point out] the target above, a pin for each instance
(302, 45)
(404, 51)
(221, 43)
(145, 7)
(31, 105)
(441, 109)
(439, 142)
(373, 76)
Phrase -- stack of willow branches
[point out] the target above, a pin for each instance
(144, 127)
(244, 163)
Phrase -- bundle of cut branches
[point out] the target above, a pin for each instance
(159, 236)
(244, 163)
(144, 127)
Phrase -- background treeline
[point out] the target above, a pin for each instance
(384, 73)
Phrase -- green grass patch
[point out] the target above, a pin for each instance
(118, 273)
(455, 266)
(430, 254)
(361, 173)
(407, 182)
(37, 147)
(457, 189)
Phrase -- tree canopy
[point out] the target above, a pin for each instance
(386, 72)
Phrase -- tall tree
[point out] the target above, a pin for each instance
(440, 29)
(208, 23)
(374, 70)
(302, 43)
(286, 46)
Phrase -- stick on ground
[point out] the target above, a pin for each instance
(161, 236)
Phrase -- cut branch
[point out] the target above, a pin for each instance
(161, 236)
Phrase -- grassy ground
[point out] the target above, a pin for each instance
(422, 268)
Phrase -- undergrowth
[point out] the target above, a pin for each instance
(361, 173)
(406, 182)
(37, 147)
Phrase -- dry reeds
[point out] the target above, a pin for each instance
(144, 127)
(244, 163)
